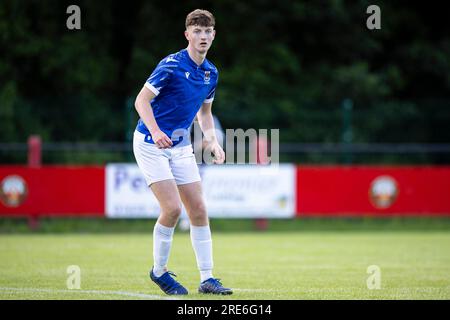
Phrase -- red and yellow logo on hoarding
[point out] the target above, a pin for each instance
(13, 191)
(383, 192)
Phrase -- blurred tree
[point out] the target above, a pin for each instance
(282, 65)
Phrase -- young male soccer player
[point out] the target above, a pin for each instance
(182, 86)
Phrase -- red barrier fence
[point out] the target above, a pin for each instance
(52, 190)
(321, 190)
(373, 190)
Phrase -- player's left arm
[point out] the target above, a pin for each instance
(206, 122)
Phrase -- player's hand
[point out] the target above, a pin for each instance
(217, 151)
(161, 140)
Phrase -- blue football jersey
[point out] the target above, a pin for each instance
(181, 87)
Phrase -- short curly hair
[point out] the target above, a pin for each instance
(200, 17)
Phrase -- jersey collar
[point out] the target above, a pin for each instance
(192, 62)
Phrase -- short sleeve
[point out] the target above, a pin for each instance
(211, 94)
(162, 74)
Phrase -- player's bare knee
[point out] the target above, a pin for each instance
(198, 212)
(199, 208)
(173, 211)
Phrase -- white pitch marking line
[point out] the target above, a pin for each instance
(104, 292)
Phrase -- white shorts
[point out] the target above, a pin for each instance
(176, 163)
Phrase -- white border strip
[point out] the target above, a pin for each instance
(152, 88)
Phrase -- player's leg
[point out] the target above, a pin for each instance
(154, 164)
(169, 200)
(187, 177)
(192, 197)
(166, 193)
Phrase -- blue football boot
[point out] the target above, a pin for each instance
(168, 284)
(213, 286)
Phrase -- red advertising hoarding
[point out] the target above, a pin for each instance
(320, 190)
(373, 190)
(52, 190)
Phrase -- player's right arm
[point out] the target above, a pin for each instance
(144, 109)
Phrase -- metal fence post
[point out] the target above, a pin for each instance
(129, 126)
(347, 132)
(34, 161)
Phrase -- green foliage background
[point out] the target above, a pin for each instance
(283, 64)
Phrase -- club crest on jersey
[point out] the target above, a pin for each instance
(207, 77)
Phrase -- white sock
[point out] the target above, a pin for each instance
(202, 244)
(162, 242)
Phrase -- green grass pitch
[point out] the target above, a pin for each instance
(258, 265)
